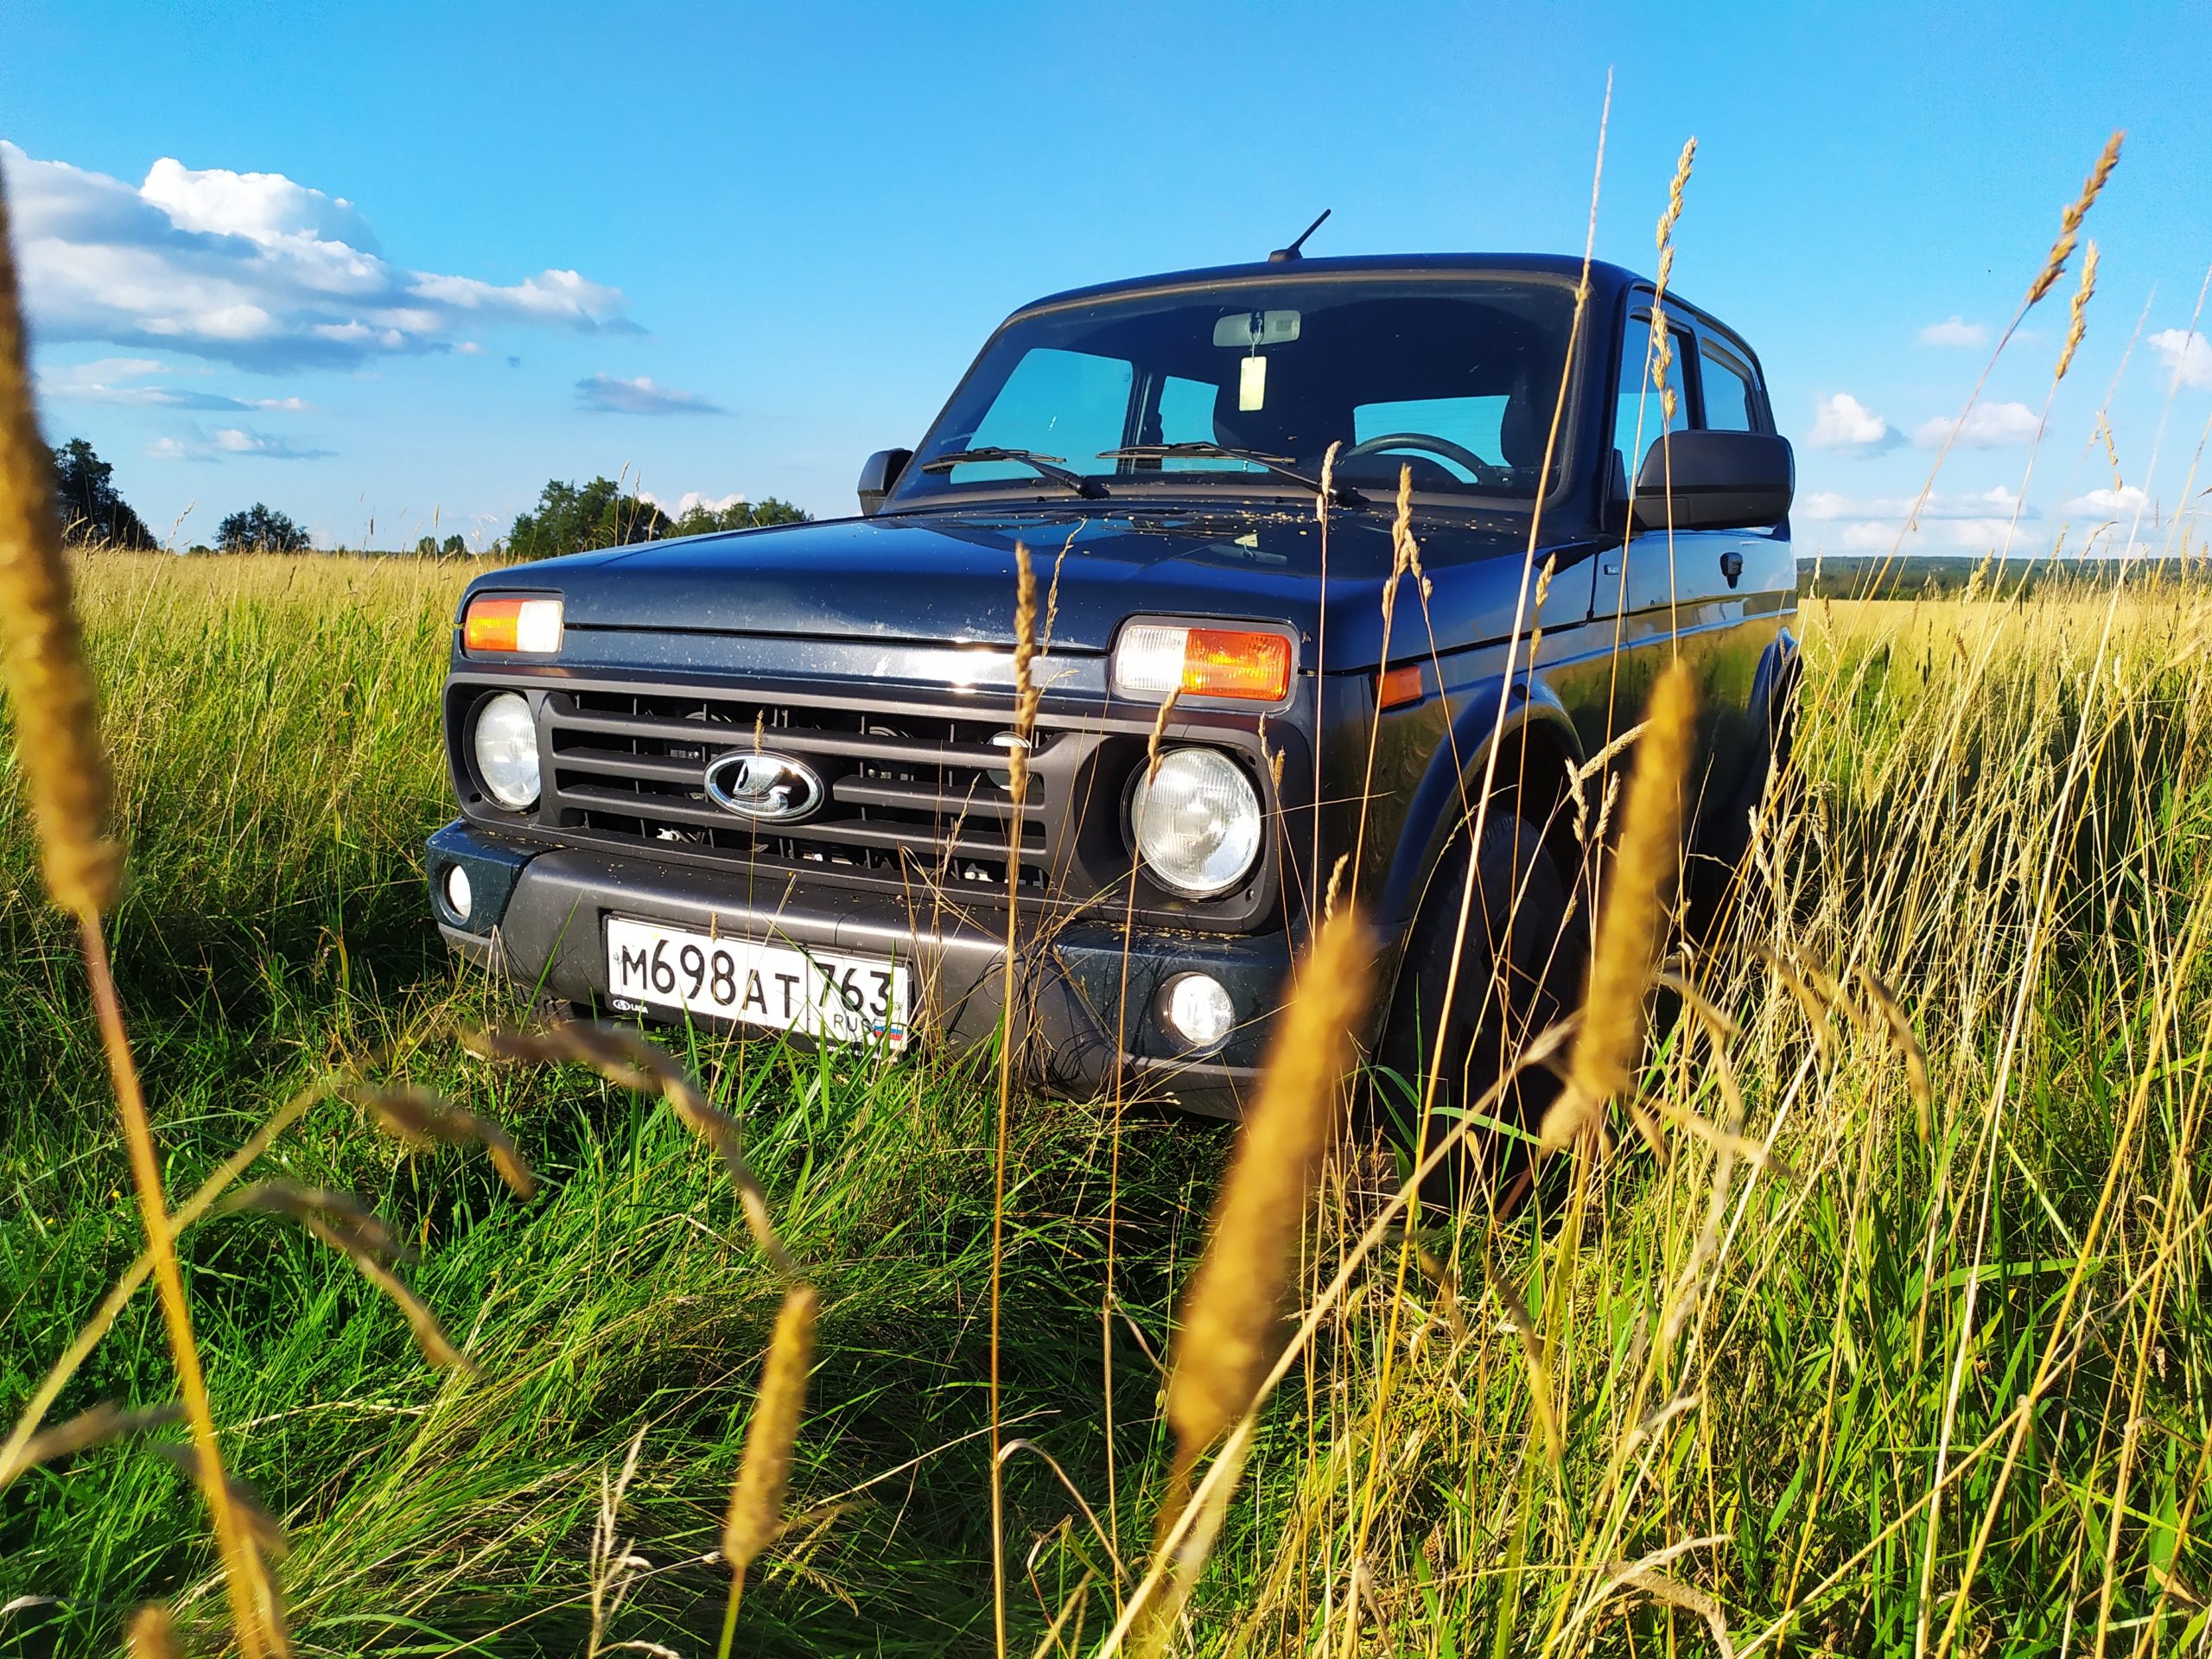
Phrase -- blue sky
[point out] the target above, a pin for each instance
(735, 250)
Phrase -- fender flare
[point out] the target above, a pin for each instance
(1435, 813)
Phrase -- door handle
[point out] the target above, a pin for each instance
(1731, 566)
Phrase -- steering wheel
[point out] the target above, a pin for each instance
(1458, 454)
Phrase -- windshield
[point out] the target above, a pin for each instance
(1256, 380)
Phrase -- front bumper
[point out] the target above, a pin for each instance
(538, 915)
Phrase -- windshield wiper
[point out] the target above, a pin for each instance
(1044, 466)
(1345, 495)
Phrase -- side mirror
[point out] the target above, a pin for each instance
(1719, 480)
(879, 476)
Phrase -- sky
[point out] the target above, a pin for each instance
(390, 268)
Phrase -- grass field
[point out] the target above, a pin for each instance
(1893, 1370)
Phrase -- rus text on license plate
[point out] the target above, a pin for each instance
(819, 992)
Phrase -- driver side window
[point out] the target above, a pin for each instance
(1473, 423)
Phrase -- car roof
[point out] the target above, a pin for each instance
(1602, 275)
(1607, 279)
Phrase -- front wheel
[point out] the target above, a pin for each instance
(1519, 970)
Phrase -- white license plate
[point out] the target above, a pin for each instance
(818, 993)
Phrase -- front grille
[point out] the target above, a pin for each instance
(912, 800)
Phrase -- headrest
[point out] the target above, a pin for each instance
(1523, 427)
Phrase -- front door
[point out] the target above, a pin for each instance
(1702, 596)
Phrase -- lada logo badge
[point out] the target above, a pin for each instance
(766, 788)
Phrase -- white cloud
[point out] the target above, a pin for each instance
(609, 396)
(250, 269)
(2123, 503)
(1841, 421)
(1955, 331)
(691, 499)
(266, 206)
(116, 380)
(1975, 520)
(231, 443)
(1988, 426)
(1967, 504)
(2188, 354)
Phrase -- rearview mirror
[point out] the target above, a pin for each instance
(879, 476)
(1247, 329)
(1717, 481)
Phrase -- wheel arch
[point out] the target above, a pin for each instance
(1537, 751)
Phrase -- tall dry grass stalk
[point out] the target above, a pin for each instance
(1662, 346)
(756, 1502)
(1405, 560)
(2053, 266)
(418, 1120)
(50, 688)
(1118, 1107)
(1230, 1331)
(1026, 696)
(1476, 803)
(152, 1634)
(2069, 221)
(631, 1061)
(65, 771)
(2077, 322)
(1226, 1337)
(1632, 929)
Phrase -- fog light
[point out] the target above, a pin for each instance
(458, 897)
(1197, 1010)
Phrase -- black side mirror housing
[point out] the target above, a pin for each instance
(1717, 481)
(879, 476)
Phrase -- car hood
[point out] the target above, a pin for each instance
(947, 578)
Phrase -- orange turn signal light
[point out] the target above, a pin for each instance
(1242, 664)
(512, 622)
(1235, 663)
(1400, 686)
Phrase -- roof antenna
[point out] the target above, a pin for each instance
(1281, 255)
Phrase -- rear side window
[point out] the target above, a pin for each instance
(1730, 405)
(1639, 412)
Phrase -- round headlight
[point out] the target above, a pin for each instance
(1196, 822)
(506, 750)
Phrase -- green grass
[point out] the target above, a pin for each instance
(274, 723)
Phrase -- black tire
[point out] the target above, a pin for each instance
(1519, 970)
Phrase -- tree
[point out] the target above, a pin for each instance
(740, 515)
(572, 519)
(260, 529)
(452, 548)
(94, 512)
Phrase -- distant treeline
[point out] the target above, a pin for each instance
(569, 518)
(1874, 575)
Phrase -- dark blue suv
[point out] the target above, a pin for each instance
(761, 779)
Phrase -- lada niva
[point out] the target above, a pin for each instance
(762, 779)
